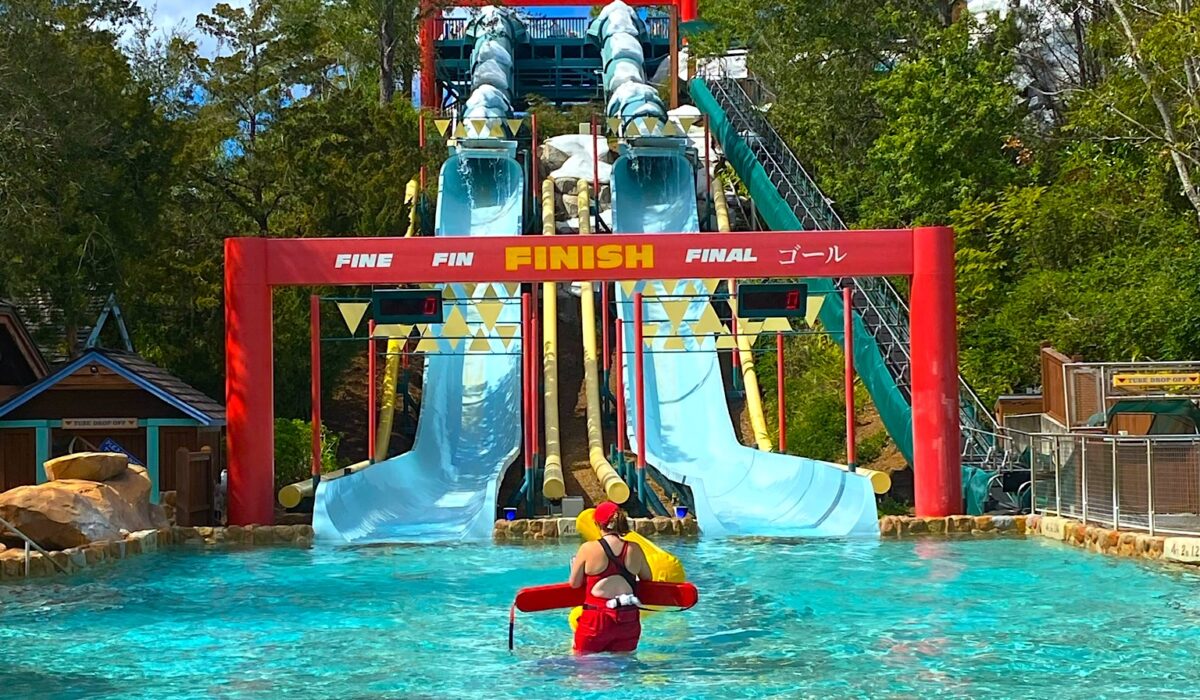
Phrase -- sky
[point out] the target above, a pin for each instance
(172, 14)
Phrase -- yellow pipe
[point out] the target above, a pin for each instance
(758, 420)
(383, 437)
(552, 480)
(614, 487)
(410, 198)
(291, 495)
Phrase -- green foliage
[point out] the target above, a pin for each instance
(293, 450)
(814, 395)
(1075, 222)
(870, 448)
(890, 506)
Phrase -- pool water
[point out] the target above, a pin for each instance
(822, 619)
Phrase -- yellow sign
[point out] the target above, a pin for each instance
(99, 423)
(579, 257)
(1143, 380)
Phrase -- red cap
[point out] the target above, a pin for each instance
(604, 513)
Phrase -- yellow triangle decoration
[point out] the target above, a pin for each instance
(443, 125)
(514, 125)
(673, 343)
(455, 325)
(451, 293)
(725, 340)
(614, 125)
(393, 330)
(422, 330)
(479, 126)
(480, 343)
(632, 129)
(489, 292)
(428, 345)
(652, 125)
(513, 290)
(629, 287)
(507, 333)
(708, 323)
(675, 309)
(489, 312)
(460, 131)
(672, 129)
(813, 309)
(688, 122)
(777, 324)
(352, 313)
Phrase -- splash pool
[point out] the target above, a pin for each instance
(902, 619)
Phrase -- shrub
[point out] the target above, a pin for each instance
(293, 450)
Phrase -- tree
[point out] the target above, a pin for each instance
(84, 157)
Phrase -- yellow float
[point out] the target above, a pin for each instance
(664, 566)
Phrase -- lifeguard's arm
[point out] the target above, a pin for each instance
(642, 570)
(578, 575)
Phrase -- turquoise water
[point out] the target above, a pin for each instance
(822, 619)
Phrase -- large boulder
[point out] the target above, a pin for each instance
(93, 466)
(74, 512)
(134, 486)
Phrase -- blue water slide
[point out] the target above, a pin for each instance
(738, 490)
(469, 431)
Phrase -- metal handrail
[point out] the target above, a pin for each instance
(30, 543)
(798, 189)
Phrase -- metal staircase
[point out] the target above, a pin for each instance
(878, 303)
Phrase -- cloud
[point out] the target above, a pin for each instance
(180, 15)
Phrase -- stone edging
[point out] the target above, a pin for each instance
(75, 559)
(555, 528)
(1116, 542)
(978, 525)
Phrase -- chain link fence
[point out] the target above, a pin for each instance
(1139, 483)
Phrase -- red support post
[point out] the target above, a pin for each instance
(848, 352)
(688, 10)
(249, 383)
(427, 36)
(535, 373)
(639, 377)
(526, 389)
(937, 469)
(619, 367)
(421, 141)
(596, 173)
(733, 329)
(314, 314)
(371, 390)
(605, 347)
(780, 394)
(708, 163)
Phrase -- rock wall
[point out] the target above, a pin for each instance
(554, 528)
(72, 512)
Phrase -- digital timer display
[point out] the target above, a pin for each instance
(407, 306)
(772, 300)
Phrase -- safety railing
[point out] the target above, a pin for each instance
(879, 304)
(455, 28)
(30, 546)
(1149, 482)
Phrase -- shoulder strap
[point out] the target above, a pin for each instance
(621, 568)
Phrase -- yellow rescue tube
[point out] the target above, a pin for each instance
(664, 566)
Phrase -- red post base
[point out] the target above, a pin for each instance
(937, 467)
(249, 383)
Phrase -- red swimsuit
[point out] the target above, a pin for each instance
(602, 628)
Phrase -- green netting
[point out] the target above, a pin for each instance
(778, 215)
(975, 489)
